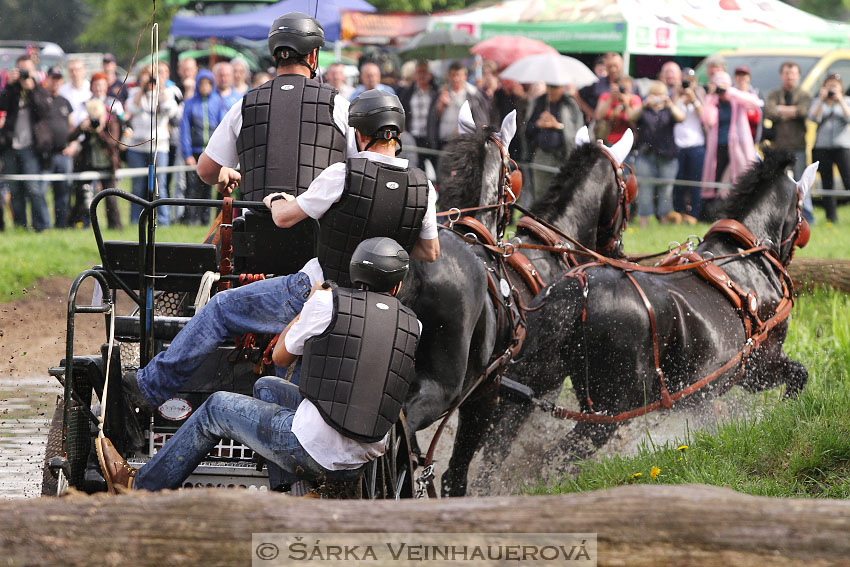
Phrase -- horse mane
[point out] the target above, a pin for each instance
(460, 170)
(754, 182)
(560, 192)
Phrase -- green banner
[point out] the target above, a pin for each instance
(705, 42)
(593, 37)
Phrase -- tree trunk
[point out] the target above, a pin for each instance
(810, 272)
(636, 525)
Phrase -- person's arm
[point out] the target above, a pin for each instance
(675, 110)
(748, 100)
(285, 209)
(816, 110)
(634, 113)
(426, 250)
(803, 105)
(213, 173)
(771, 112)
(313, 320)
(186, 134)
(603, 106)
(281, 356)
(709, 111)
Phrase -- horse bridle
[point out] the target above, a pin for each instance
(510, 184)
(799, 237)
(628, 188)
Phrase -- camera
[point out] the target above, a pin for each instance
(830, 93)
(617, 89)
(686, 84)
(95, 123)
(24, 74)
(720, 91)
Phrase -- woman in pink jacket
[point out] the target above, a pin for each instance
(729, 147)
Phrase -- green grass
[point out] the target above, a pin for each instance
(796, 448)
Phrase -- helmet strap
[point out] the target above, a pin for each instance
(386, 135)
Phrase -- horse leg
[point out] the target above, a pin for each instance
(580, 443)
(473, 422)
(770, 366)
(508, 418)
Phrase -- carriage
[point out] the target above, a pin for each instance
(165, 284)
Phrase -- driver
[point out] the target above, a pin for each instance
(373, 194)
(347, 410)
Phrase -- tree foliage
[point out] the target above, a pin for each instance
(422, 6)
(43, 20)
(829, 9)
(118, 23)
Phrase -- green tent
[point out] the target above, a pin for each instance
(651, 27)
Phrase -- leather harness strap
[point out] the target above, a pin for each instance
(226, 238)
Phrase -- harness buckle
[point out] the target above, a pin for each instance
(471, 236)
(453, 216)
(424, 480)
(505, 247)
(673, 245)
(693, 241)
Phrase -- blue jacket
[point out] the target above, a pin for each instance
(192, 125)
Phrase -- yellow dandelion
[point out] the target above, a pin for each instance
(828, 223)
(682, 448)
(630, 230)
(637, 475)
(681, 458)
(653, 473)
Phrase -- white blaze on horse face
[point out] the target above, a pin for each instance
(582, 136)
(621, 149)
(465, 122)
(508, 130)
(808, 179)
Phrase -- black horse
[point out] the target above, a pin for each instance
(609, 356)
(584, 201)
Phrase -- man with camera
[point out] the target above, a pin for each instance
(23, 137)
(689, 136)
(787, 107)
(612, 110)
(831, 111)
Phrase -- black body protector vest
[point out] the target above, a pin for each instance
(358, 371)
(288, 136)
(378, 200)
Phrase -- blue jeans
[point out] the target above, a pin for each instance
(24, 161)
(140, 184)
(60, 163)
(266, 306)
(690, 169)
(653, 165)
(263, 426)
(799, 168)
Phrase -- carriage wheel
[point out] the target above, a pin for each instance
(49, 483)
(391, 476)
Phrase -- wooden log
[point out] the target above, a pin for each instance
(810, 272)
(637, 525)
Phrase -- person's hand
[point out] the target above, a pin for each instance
(191, 160)
(228, 180)
(823, 94)
(668, 102)
(85, 124)
(444, 99)
(13, 75)
(267, 200)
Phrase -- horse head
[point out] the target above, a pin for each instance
(769, 203)
(589, 197)
(475, 172)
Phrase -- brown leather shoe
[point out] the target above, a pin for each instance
(118, 474)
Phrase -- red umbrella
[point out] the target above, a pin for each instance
(505, 49)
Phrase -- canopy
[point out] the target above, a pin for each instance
(652, 27)
(255, 25)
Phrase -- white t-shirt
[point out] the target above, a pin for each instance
(689, 133)
(327, 189)
(222, 145)
(77, 97)
(326, 445)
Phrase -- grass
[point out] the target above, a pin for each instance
(796, 448)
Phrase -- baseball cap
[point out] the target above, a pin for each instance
(55, 72)
(742, 70)
(109, 58)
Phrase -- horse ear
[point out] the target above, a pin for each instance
(465, 122)
(582, 136)
(808, 179)
(621, 149)
(508, 130)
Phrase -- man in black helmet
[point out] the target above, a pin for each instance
(287, 130)
(373, 194)
(318, 428)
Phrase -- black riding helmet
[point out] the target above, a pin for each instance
(294, 36)
(377, 114)
(378, 264)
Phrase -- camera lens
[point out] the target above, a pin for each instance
(720, 90)
(830, 93)
(686, 84)
(25, 74)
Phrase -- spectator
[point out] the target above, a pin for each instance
(612, 118)
(22, 139)
(489, 81)
(551, 130)
(714, 64)
(241, 75)
(442, 122)
(689, 136)
(201, 116)
(754, 115)
(187, 69)
(588, 96)
(656, 153)
(729, 148)
(78, 91)
(335, 77)
(138, 109)
(223, 73)
(260, 78)
(59, 158)
(787, 106)
(831, 111)
(671, 76)
(176, 183)
(511, 96)
(419, 100)
(188, 88)
(116, 87)
(370, 78)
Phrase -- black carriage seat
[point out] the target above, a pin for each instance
(179, 268)
(261, 247)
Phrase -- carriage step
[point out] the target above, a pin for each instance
(57, 463)
(515, 391)
(56, 371)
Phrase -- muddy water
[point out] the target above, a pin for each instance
(26, 407)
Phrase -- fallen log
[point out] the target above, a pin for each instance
(811, 272)
(637, 525)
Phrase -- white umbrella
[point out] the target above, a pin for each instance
(550, 68)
